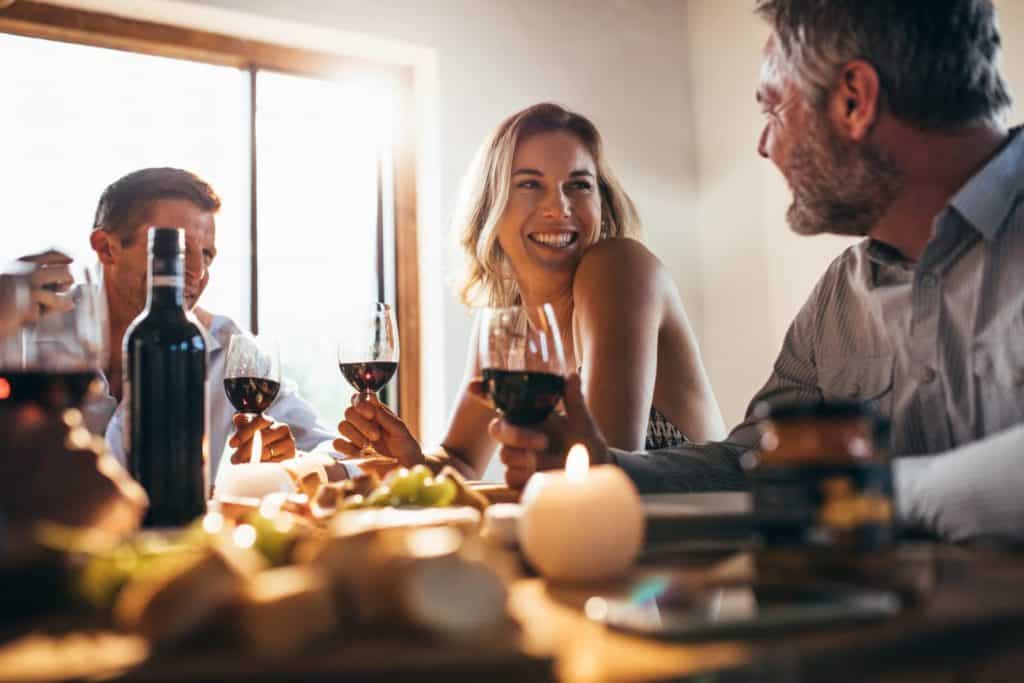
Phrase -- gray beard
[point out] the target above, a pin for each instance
(839, 187)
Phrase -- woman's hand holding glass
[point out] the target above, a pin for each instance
(368, 422)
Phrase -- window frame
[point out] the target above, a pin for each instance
(40, 20)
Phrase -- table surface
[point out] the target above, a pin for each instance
(971, 622)
(970, 626)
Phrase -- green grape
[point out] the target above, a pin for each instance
(104, 575)
(380, 497)
(420, 473)
(399, 473)
(405, 487)
(274, 539)
(438, 492)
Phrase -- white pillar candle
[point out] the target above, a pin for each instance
(583, 524)
(253, 479)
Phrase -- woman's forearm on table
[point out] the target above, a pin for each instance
(441, 457)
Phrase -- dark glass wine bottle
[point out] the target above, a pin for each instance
(165, 387)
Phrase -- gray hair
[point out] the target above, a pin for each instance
(937, 60)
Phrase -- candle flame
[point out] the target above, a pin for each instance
(577, 463)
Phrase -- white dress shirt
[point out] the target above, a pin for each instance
(105, 416)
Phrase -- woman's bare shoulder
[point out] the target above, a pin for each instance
(617, 268)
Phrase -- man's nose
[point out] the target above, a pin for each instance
(762, 143)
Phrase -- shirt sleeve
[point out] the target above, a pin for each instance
(310, 434)
(689, 468)
(296, 412)
(969, 493)
(716, 466)
(114, 435)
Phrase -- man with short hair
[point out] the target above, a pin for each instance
(885, 117)
(172, 197)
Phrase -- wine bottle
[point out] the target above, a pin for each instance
(165, 388)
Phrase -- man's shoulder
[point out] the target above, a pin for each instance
(849, 264)
(221, 328)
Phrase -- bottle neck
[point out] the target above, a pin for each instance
(166, 281)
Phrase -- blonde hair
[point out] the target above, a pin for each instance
(488, 279)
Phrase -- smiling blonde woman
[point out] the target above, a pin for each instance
(542, 219)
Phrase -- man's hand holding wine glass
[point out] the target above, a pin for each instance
(50, 281)
(252, 380)
(277, 439)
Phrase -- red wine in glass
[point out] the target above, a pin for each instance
(368, 354)
(52, 390)
(370, 376)
(522, 360)
(525, 398)
(252, 378)
(251, 394)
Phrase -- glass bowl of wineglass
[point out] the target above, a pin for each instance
(368, 355)
(54, 358)
(252, 378)
(522, 361)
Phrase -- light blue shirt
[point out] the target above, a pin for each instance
(104, 415)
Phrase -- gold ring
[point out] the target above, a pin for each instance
(271, 450)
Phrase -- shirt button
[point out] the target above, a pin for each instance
(928, 376)
(928, 280)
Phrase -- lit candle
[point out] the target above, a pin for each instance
(583, 524)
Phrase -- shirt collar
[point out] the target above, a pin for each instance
(220, 331)
(885, 255)
(988, 197)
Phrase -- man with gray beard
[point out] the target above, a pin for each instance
(886, 119)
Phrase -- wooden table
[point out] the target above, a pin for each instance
(971, 628)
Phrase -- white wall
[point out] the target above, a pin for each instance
(756, 272)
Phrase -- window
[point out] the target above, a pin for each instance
(76, 118)
(311, 223)
(318, 149)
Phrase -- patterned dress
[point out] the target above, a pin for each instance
(661, 433)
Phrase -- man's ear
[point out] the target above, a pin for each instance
(103, 244)
(855, 104)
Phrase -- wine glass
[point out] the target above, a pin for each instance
(368, 355)
(252, 378)
(15, 310)
(523, 361)
(61, 352)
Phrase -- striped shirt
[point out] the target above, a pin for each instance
(937, 346)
